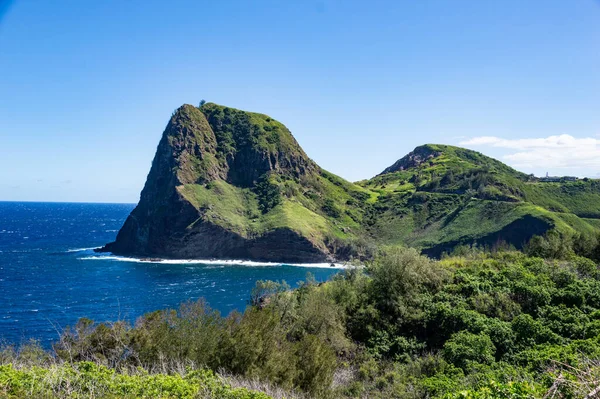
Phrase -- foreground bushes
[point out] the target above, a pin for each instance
(291, 349)
(500, 325)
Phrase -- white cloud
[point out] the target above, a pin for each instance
(554, 152)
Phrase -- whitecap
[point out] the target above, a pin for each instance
(217, 262)
(81, 249)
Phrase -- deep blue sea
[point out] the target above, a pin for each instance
(50, 276)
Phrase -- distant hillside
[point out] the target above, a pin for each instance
(441, 196)
(227, 183)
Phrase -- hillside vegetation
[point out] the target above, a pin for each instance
(439, 196)
(234, 184)
(474, 325)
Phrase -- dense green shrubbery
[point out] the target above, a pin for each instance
(268, 194)
(502, 325)
(554, 245)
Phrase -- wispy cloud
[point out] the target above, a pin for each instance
(564, 151)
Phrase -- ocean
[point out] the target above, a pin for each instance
(50, 276)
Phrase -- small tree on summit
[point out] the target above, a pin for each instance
(202, 102)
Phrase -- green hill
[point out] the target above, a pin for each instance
(227, 183)
(441, 196)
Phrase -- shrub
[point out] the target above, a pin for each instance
(465, 347)
(481, 326)
(268, 194)
(331, 209)
(401, 279)
(494, 390)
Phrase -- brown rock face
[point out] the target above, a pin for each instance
(412, 159)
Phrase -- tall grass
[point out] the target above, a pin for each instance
(34, 373)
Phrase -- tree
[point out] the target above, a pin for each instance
(202, 102)
(264, 289)
(401, 280)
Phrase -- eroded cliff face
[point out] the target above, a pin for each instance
(206, 188)
(413, 159)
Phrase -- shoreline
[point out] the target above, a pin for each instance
(211, 262)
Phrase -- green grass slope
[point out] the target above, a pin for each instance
(293, 193)
(441, 196)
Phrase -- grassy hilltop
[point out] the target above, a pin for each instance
(440, 196)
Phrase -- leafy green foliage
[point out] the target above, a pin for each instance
(263, 291)
(465, 347)
(493, 390)
(268, 194)
(330, 208)
(478, 325)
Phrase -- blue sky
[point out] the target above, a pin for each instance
(87, 87)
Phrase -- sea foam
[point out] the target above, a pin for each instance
(217, 262)
(81, 249)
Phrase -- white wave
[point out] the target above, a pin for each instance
(81, 249)
(218, 262)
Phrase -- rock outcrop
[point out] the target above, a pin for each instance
(231, 184)
(413, 159)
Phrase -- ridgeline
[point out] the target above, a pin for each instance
(232, 184)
